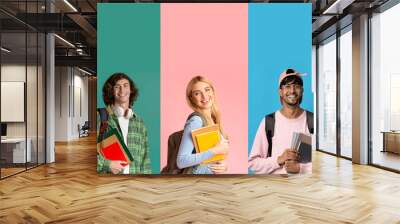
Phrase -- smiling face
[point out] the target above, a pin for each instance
(122, 91)
(202, 95)
(291, 94)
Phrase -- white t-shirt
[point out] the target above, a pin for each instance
(124, 124)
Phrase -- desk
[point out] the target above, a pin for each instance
(391, 141)
(16, 148)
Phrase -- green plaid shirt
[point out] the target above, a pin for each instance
(137, 145)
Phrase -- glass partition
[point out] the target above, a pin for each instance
(13, 92)
(22, 87)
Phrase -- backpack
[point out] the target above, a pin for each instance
(174, 141)
(104, 120)
(270, 126)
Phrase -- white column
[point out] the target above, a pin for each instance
(50, 92)
(360, 90)
(50, 100)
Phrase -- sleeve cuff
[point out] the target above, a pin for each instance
(208, 154)
(275, 162)
(104, 165)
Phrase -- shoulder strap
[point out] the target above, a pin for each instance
(197, 114)
(310, 121)
(269, 130)
(103, 119)
(204, 122)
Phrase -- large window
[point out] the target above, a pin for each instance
(335, 94)
(385, 89)
(327, 95)
(345, 41)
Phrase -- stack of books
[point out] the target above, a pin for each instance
(112, 147)
(204, 139)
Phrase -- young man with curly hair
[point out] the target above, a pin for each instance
(119, 94)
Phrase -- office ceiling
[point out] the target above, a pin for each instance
(76, 22)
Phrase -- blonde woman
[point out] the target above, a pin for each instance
(200, 95)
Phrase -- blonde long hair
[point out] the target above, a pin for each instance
(215, 113)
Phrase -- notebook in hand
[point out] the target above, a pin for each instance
(112, 147)
(206, 138)
(302, 144)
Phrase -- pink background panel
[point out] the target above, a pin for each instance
(208, 40)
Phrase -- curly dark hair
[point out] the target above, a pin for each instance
(108, 92)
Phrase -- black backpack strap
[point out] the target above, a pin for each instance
(310, 121)
(103, 119)
(269, 131)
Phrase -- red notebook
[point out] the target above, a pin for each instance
(114, 152)
(112, 147)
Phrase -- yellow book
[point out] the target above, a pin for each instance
(206, 138)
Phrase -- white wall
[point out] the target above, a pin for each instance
(61, 104)
(79, 117)
(70, 83)
(15, 72)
